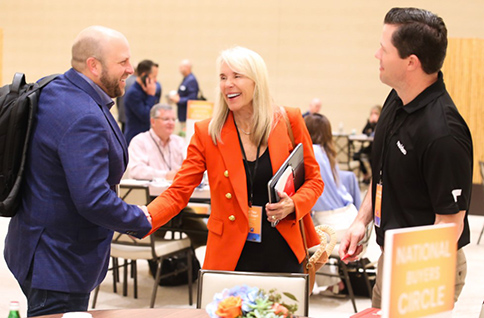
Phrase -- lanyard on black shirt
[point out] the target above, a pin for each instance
(247, 167)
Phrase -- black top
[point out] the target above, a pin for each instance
(273, 254)
(369, 128)
(424, 151)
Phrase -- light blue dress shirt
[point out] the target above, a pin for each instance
(335, 195)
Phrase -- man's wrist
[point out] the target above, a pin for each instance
(146, 212)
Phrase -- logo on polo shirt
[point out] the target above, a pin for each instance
(456, 193)
(401, 147)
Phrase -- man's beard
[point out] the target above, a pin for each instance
(111, 84)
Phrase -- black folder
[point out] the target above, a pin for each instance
(296, 162)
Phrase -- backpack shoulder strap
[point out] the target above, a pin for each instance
(46, 80)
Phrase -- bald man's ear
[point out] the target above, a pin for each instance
(93, 66)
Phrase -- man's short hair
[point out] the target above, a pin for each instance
(155, 110)
(145, 67)
(419, 32)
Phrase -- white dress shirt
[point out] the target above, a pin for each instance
(150, 158)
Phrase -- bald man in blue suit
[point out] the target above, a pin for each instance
(58, 244)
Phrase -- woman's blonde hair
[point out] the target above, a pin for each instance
(251, 65)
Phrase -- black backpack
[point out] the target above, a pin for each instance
(200, 95)
(18, 105)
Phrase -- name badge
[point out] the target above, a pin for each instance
(379, 190)
(255, 224)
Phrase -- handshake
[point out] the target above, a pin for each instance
(145, 211)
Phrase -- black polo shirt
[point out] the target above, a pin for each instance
(424, 153)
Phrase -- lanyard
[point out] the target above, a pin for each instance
(247, 168)
(161, 152)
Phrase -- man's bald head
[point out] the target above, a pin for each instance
(185, 67)
(315, 106)
(102, 55)
(92, 42)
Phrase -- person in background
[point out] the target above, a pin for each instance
(120, 102)
(241, 147)
(370, 126)
(58, 244)
(314, 107)
(188, 90)
(338, 192)
(368, 130)
(341, 197)
(422, 153)
(140, 97)
(157, 153)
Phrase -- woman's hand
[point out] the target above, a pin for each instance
(278, 211)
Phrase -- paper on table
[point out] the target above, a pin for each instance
(134, 182)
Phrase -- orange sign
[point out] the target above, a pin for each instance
(196, 110)
(419, 274)
(199, 109)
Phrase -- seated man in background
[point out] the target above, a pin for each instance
(158, 153)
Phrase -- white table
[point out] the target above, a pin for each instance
(360, 138)
(156, 187)
(201, 194)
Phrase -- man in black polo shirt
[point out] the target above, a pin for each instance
(422, 151)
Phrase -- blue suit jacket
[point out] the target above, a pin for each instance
(69, 210)
(188, 90)
(137, 107)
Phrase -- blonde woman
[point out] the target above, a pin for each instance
(241, 148)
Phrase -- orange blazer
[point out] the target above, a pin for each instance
(228, 224)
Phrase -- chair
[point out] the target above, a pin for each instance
(481, 165)
(149, 248)
(342, 147)
(343, 270)
(211, 282)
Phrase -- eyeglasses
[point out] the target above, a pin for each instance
(166, 118)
